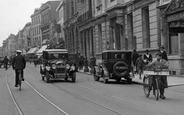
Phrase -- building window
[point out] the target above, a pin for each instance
(130, 30)
(173, 43)
(146, 27)
(100, 38)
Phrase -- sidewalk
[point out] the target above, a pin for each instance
(172, 80)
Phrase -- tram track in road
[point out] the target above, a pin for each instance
(43, 97)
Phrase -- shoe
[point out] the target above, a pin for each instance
(22, 79)
(162, 96)
(16, 85)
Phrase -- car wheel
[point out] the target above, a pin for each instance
(47, 77)
(129, 80)
(73, 77)
(105, 80)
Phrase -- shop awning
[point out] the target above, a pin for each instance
(32, 50)
(41, 49)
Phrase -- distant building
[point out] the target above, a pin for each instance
(36, 33)
(48, 16)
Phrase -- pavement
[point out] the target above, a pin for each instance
(172, 80)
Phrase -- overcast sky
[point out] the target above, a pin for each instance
(14, 14)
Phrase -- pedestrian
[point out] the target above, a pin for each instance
(5, 61)
(92, 63)
(147, 57)
(161, 64)
(135, 56)
(140, 65)
(163, 53)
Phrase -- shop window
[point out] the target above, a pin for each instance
(173, 43)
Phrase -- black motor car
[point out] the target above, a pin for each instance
(1, 62)
(55, 64)
(116, 64)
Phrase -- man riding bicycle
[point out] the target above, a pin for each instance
(160, 64)
(18, 63)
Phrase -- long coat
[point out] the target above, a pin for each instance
(19, 62)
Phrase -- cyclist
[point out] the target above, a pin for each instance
(18, 63)
(161, 64)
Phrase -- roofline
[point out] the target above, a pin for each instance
(117, 51)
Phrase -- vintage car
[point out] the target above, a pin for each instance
(55, 64)
(116, 64)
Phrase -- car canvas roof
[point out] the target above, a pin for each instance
(56, 50)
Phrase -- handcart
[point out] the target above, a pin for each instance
(151, 81)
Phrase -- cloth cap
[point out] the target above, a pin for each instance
(18, 51)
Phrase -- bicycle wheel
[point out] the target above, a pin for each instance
(156, 91)
(146, 87)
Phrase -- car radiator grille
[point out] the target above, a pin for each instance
(60, 70)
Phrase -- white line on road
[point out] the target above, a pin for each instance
(13, 98)
(47, 99)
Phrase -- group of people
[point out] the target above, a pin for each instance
(146, 60)
(18, 63)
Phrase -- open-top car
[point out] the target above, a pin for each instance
(55, 64)
(116, 64)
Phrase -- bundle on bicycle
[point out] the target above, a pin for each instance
(155, 77)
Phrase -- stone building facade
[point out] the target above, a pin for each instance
(48, 17)
(172, 32)
(71, 28)
(36, 34)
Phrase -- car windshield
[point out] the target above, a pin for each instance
(58, 56)
(118, 55)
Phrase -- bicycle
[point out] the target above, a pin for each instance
(153, 76)
(19, 79)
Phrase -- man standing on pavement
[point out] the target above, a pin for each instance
(6, 62)
(18, 63)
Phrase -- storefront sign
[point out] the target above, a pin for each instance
(175, 17)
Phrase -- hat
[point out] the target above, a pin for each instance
(161, 47)
(18, 51)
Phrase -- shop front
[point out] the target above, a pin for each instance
(173, 38)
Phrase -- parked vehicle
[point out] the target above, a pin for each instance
(116, 64)
(56, 65)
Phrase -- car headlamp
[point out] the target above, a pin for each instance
(67, 66)
(54, 66)
(48, 68)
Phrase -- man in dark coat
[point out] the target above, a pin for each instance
(5, 61)
(147, 57)
(135, 56)
(163, 53)
(18, 63)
